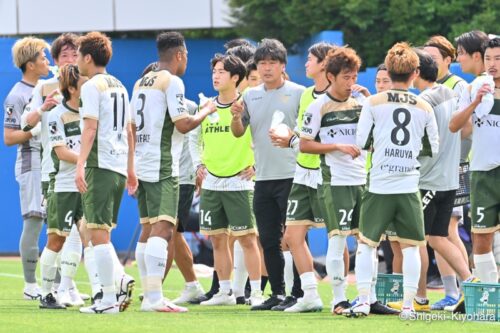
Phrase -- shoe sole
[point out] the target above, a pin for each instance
(306, 311)
(29, 297)
(128, 296)
(355, 314)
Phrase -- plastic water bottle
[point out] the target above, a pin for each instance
(213, 117)
(488, 100)
(277, 124)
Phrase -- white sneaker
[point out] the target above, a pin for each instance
(65, 297)
(358, 310)
(32, 293)
(407, 314)
(163, 305)
(221, 298)
(303, 305)
(75, 298)
(256, 298)
(101, 309)
(189, 294)
(125, 289)
(83, 296)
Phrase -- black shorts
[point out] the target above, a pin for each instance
(186, 193)
(437, 206)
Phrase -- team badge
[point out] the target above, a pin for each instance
(180, 98)
(307, 118)
(9, 109)
(53, 127)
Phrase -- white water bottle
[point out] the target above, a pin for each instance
(213, 117)
(277, 124)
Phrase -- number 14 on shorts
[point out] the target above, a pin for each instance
(205, 218)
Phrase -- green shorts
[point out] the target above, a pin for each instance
(65, 208)
(404, 210)
(227, 212)
(485, 201)
(158, 201)
(303, 207)
(341, 205)
(101, 202)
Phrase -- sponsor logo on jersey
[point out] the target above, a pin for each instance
(487, 122)
(53, 127)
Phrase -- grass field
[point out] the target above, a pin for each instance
(17, 315)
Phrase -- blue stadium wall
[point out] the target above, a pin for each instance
(129, 59)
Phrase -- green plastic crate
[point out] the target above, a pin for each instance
(389, 288)
(482, 301)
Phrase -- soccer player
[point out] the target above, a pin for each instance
(252, 76)
(444, 53)
(105, 163)
(393, 123)
(65, 205)
(161, 119)
(45, 97)
(29, 56)
(333, 119)
(226, 172)
(274, 166)
(382, 79)
(485, 163)
(303, 210)
(438, 181)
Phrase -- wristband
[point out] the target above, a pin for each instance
(292, 140)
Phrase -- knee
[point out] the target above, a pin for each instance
(248, 241)
(219, 242)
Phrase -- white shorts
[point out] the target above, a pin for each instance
(30, 193)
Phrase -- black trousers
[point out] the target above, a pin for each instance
(270, 204)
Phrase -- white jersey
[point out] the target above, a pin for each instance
(64, 130)
(440, 172)
(158, 102)
(105, 99)
(335, 122)
(485, 134)
(398, 125)
(40, 92)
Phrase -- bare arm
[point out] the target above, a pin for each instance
(65, 154)
(87, 140)
(462, 117)
(188, 123)
(237, 126)
(132, 182)
(15, 136)
(313, 147)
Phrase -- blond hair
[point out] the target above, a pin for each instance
(27, 49)
(401, 61)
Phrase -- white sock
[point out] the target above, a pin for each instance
(155, 257)
(364, 271)
(48, 270)
(193, 284)
(139, 259)
(225, 286)
(288, 271)
(486, 268)
(91, 268)
(373, 289)
(70, 258)
(411, 274)
(335, 267)
(240, 273)
(119, 270)
(105, 268)
(309, 285)
(255, 285)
